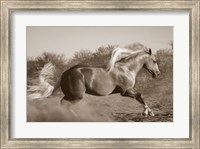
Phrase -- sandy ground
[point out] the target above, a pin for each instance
(100, 109)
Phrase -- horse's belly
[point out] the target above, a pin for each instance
(100, 84)
(97, 81)
(103, 87)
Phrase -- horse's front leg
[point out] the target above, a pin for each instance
(138, 97)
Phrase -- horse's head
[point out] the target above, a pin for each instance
(151, 65)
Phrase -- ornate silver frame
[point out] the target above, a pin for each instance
(7, 7)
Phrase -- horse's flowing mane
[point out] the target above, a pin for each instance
(120, 53)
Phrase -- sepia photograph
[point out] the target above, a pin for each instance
(99, 73)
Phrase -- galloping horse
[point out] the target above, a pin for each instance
(118, 77)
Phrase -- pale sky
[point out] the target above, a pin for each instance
(67, 40)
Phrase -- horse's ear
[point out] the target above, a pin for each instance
(150, 51)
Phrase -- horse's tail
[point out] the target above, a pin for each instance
(56, 86)
(117, 54)
(49, 82)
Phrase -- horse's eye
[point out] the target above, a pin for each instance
(155, 61)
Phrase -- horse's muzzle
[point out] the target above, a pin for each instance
(156, 75)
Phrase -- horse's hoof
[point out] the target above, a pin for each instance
(151, 113)
(145, 113)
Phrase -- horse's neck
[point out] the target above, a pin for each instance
(135, 64)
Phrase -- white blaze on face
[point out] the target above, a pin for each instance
(155, 65)
(156, 68)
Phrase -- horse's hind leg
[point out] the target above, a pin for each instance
(68, 105)
(138, 97)
(73, 87)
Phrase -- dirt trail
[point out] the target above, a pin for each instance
(99, 109)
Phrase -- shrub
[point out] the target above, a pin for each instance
(35, 65)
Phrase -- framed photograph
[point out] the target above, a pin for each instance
(100, 74)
